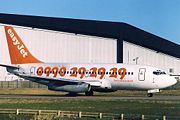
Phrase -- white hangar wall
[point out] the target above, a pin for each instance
(57, 47)
(146, 56)
(52, 46)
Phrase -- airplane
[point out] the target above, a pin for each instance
(83, 78)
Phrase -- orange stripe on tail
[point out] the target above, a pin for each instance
(19, 53)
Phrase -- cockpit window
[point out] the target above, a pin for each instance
(159, 72)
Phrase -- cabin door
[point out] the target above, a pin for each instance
(142, 74)
(32, 71)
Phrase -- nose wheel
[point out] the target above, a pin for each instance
(149, 94)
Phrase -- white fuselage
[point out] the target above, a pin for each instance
(105, 76)
(78, 78)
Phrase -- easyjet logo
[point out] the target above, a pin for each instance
(16, 42)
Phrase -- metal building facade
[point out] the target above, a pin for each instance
(135, 54)
(51, 46)
(61, 47)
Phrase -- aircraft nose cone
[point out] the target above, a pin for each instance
(174, 81)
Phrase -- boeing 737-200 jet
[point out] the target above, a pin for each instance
(82, 78)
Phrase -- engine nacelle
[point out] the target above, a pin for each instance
(79, 88)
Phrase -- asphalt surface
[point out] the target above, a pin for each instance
(155, 97)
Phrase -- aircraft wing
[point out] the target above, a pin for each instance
(61, 81)
(49, 79)
(9, 66)
(46, 80)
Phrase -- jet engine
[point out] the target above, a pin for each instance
(76, 88)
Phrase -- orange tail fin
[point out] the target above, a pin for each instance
(19, 53)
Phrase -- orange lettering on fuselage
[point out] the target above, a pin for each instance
(113, 72)
(75, 72)
(82, 71)
(93, 72)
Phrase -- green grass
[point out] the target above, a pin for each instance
(106, 106)
(132, 107)
(117, 93)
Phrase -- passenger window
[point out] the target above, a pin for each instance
(156, 73)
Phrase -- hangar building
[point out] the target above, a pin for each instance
(88, 41)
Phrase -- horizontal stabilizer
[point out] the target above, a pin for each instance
(9, 66)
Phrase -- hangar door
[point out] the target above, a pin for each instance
(63, 47)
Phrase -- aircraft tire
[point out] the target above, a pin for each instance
(72, 94)
(89, 93)
(149, 94)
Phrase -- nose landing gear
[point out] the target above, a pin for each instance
(150, 92)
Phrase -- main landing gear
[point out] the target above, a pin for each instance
(150, 94)
(72, 94)
(89, 93)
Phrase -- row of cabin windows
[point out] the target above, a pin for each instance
(71, 72)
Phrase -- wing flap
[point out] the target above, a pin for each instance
(61, 80)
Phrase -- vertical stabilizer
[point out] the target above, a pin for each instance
(19, 54)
